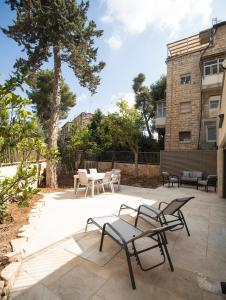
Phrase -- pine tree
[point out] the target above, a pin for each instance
(58, 28)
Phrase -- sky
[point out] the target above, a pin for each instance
(136, 33)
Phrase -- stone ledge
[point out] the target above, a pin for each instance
(15, 257)
(2, 283)
(18, 245)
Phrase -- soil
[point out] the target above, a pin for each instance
(66, 181)
(17, 216)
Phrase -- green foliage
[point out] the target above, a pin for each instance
(144, 101)
(41, 25)
(41, 95)
(81, 139)
(99, 131)
(158, 89)
(18, 130)
(126, 128)
(146, 98)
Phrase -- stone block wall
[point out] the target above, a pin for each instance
(177, 93)
(148, 171)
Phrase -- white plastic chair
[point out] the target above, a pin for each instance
(84, 182)
(116, 177)
(107, 181)
(93, 171)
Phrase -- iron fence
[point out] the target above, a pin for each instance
(12, 155)
(152, 158)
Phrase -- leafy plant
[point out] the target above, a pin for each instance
(18, 131)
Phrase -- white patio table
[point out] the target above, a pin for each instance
(92, 178)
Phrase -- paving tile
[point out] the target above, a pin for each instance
(79, 283)
(36, 292)
(88, 247)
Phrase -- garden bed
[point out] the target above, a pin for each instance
(17, 217)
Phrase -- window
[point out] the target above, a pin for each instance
(214, 102)
(214, 66)
(161, 109)
(184, 136)
(185, 79)
(211, 133)
(185, 107)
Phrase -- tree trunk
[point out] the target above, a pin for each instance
(136, 163)
(147, 126)
(134, 149)
(51, 174)
(113, 159)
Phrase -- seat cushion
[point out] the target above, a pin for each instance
(188, 179)
(173, 179)
(196, 174)
(202, 182)
(185, 174)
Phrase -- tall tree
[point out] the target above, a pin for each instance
(41, 95)
(158, 92)
(158, 89)
(127, 126)
(144, 101)
(99, 132)
(60, 28)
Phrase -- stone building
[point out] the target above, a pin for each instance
(221, 153)
(82, 119)
(194, 87)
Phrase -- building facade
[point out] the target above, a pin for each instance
(221, 153)
(82, 120)
(189, 116)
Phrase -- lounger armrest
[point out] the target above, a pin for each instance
(152, 232)
(124, 206)
(163, 228)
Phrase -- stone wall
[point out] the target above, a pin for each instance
(175, 162)
(10, 170)
(177, 93)
(149, 171)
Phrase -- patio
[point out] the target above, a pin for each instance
(64, 263)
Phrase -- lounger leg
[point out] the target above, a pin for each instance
(112, 187)
(130, 269)
(102, 239)
(89, 221)
(185, 224)
(103, 188)
(136, 220)
(167, 253)
(86, 191)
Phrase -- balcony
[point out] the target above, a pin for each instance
(160, 119)
(160, 122)
(212, 81)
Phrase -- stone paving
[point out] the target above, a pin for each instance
(63, 262)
